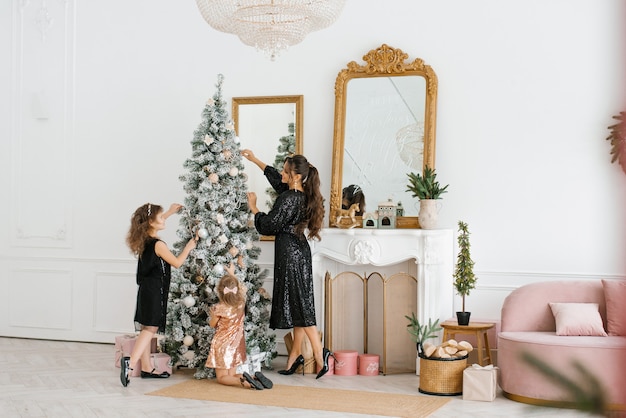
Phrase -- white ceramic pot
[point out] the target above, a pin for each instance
(429, 213)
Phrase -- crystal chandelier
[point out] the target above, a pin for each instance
(271, 26)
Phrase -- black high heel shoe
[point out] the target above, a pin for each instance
(299, 362)
(326, 353)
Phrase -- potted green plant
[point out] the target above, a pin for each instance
(464, 278)
(421, 333)
(428, 190)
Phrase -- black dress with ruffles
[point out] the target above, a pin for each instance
(293, 303)
(153, 278)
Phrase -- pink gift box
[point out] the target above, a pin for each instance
(369, 364)
(346, 364)
(161, 362)
(124, 346)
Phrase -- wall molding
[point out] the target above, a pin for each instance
(42, 123)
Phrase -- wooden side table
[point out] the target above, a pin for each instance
(479, 329)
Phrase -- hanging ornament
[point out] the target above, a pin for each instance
(219, 218)
(213, 178)
(245, 176)
(203, 233)
(189, 301)
(230, 126)
(189, 355)
(199, 279)
(233, 171)
(208, 291)
(227, 154)
(233, 251)
(210, 102)
(240, 261)
(218, 269)
(236, 140)
(223, 239)
(208, 139)
(264, 293)
(188, 340)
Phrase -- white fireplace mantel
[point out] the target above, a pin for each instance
(432, 250)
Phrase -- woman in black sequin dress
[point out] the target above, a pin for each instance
(299, 207)
(153, 280)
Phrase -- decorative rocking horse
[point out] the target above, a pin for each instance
(347, 213)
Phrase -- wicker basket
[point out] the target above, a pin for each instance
(442, 376)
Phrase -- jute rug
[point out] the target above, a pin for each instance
(337, 400)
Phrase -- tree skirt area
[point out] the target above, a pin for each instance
(336, 400)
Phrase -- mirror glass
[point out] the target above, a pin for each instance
(384, 129)
(271, 126)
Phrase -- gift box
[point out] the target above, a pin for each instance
(480, 383)
(161, 362)
(252, 364)
(124, 346)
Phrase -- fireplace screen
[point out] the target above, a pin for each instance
(367, 312)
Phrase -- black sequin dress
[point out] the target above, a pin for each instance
(153, 278)
(293, 303)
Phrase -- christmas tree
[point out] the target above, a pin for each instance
(286, 147)
(216, 208)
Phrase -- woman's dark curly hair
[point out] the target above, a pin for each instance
(139, 231)
(314, 218)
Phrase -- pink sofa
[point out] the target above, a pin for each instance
(528, 326)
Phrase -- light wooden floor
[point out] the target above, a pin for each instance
(58, 379)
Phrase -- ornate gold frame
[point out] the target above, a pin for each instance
(297, 100)
(384, 61)
(260, 100)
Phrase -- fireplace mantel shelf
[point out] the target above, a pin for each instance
(432, 251)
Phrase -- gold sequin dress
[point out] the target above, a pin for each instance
(228, 347)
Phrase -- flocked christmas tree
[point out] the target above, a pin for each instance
(286, 147)
(216, 207)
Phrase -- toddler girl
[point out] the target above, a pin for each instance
(228, 347)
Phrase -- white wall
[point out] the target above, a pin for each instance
(526, 92)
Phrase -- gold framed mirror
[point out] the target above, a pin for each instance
(271, 126)
(385, 117)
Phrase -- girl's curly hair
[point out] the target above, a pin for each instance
(139, 231)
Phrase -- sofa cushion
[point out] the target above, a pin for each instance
(527, 309)
(577, 319)
(615, 295)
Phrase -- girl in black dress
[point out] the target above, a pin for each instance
(153, 278)
(299, 207)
